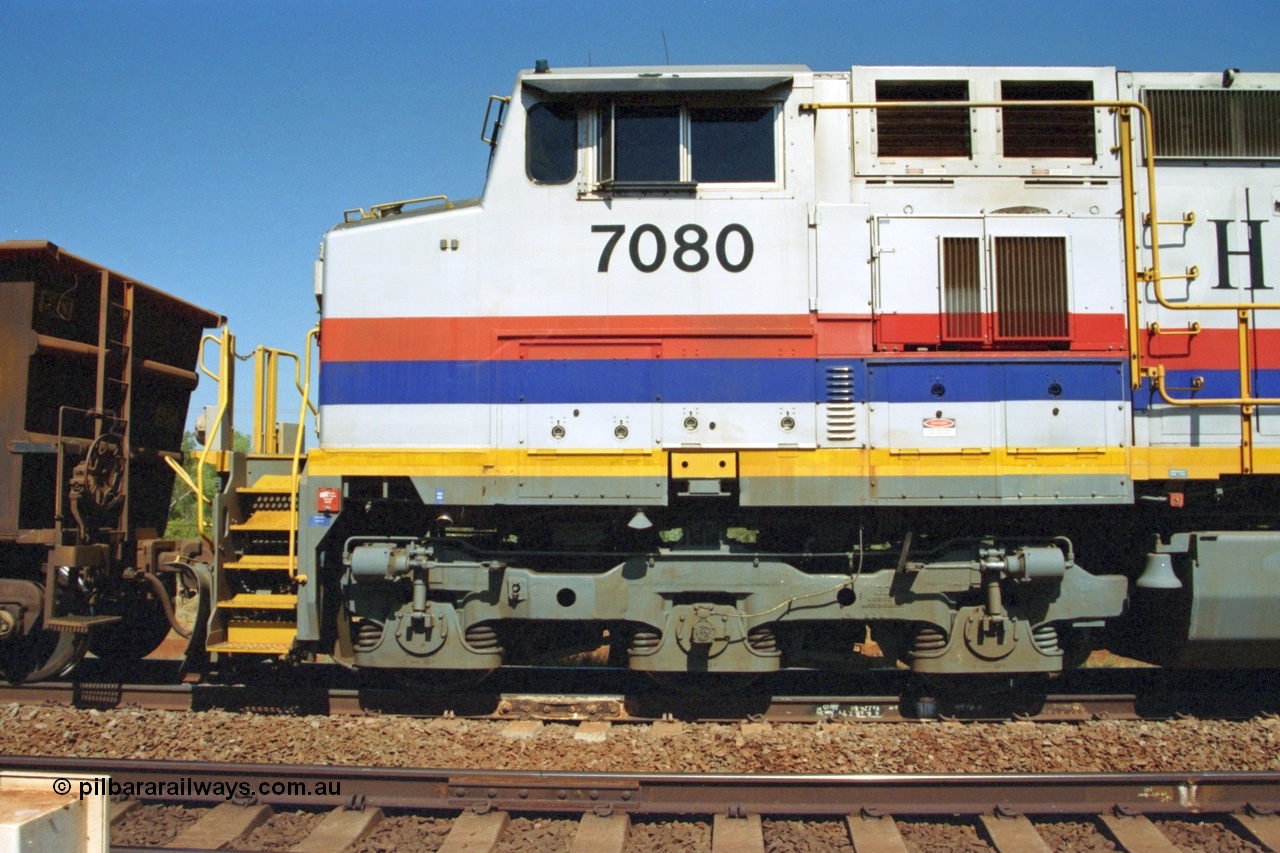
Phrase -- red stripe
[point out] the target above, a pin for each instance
(1089, 332)
(689, 336)
(482, 338)
(1209, 349)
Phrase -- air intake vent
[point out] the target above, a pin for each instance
(1031, 289)
(923, 131)
(1033, 131)
(1215, 123)
(961, 289)
(842, 416)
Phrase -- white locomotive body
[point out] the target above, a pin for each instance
(869, 348)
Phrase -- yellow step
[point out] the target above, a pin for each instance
(259, 562)
(269, 484)
(260, 601)
(249, 635)
(267, 520)
(250, 648)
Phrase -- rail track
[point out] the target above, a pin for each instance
(875, 810)
(547, 695)
(613, 708)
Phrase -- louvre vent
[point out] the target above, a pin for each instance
(922, 131)
(961, 289)
(842, 416)
(1215, 123)
(1031, 288)
(1033, 131)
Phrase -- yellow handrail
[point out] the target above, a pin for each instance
(200, 362)
(201, 500)
(378, 211)
(265, 396)
(296, 474)
(226, 352)
(1192, 329)
(1127, 186)
(1153, 274)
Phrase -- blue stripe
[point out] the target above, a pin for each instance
(1218, 384)
(980, 382)
(778, 380)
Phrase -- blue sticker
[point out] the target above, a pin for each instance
(439, 496)
(319, 521)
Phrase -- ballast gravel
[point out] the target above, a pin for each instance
(924, 747)
(154, 825)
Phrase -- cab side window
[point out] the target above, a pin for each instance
(642, 145)
(732, 145)
(647, 146)
(551, 143)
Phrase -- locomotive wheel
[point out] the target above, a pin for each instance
(140, 631)
(41, 654)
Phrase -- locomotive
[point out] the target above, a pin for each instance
(738, 368)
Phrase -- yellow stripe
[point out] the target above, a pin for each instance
(1141, 463)
(933, 462)
(1199, 463)
(488, 463)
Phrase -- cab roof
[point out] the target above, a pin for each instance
(661, 79)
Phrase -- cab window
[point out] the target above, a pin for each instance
(647, 146)
(551, 143)
(731, 145)
(639, 145)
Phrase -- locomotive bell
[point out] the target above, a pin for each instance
(1159, 573)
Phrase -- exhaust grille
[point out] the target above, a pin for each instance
(1031, 288)
(842, 415)
(1215, 123)
(961, 289)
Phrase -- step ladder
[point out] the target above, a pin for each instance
(254, 600)
(256, 605)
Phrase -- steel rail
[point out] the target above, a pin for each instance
(640, 708)
(813, 795)
(633, 707)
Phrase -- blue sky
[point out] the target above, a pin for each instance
(204, 148)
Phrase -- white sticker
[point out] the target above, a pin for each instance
(939, 427)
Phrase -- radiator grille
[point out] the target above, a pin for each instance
(842, 415)
(1031, 288)
(961, 289)
(1209, 123)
